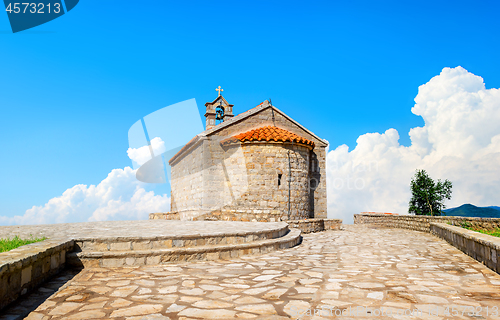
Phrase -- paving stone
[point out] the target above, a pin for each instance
(367, 285)
(140, 310)
(431, 299)
(65, 308)
(212, 304)
(375, 295)
(34, 316)
(100, 290)
(211, 287)
(90, 314)
(274, 294)
(207, 314)
(265, 277)
(192, 292)
(120, 303)
(257, 308)
(124, 291)
(244, 315)
(257, 290)
(306, 289)
(168, 289)
(295, 308)
(144, 291)
(155, 316)
(249, 300)
(175, 308)
(190, 299)
(97, 305)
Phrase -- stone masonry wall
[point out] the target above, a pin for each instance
(187, 183)
(24, 269)
(267, 176)
(422, 223)
(269, 117)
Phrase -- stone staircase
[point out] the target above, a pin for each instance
(154, 250)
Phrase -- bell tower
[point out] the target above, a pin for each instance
(218, 110)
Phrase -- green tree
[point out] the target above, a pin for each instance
(427, 196)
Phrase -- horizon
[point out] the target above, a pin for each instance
(399, 86)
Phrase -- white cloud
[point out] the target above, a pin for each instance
(460, 141)
(143, 154)
(120, 196)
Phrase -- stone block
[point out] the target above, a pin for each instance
(62, 256)
(213, 256)
(26, 275)
(14, 282)
(225, 255)
(46, 264)
(54, 261)
(140, 261)
(120, 246)
(113, 262)
(178, 243)
(153, 260)
(141, 245)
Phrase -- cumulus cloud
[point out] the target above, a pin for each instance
(120, 196)
(460, 141)
(143, 154)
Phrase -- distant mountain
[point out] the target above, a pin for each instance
(469, 210)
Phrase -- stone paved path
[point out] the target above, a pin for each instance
(385, 270)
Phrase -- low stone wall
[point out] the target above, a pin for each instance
(25, 268)
(226, 215)
(164, 216)
(315, 225)
(482, 247)
(306, 225)
(423, 223)
(332, 224)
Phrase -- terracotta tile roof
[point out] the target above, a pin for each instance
(268, 133)
(395, 214)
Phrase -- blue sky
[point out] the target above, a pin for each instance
(71, 88)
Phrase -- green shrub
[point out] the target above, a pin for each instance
(465, 224)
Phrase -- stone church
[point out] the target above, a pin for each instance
(260, 165)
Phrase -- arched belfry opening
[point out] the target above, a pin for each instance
(218, 110)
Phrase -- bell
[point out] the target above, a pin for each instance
(219, 113)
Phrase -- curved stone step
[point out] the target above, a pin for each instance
(135, 243)
(160, 256)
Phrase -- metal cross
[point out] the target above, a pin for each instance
(219, 89)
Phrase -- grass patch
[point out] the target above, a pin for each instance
(16, 242)
(495, 233)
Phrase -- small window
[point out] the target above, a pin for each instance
(313, 183)
(279, 179)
